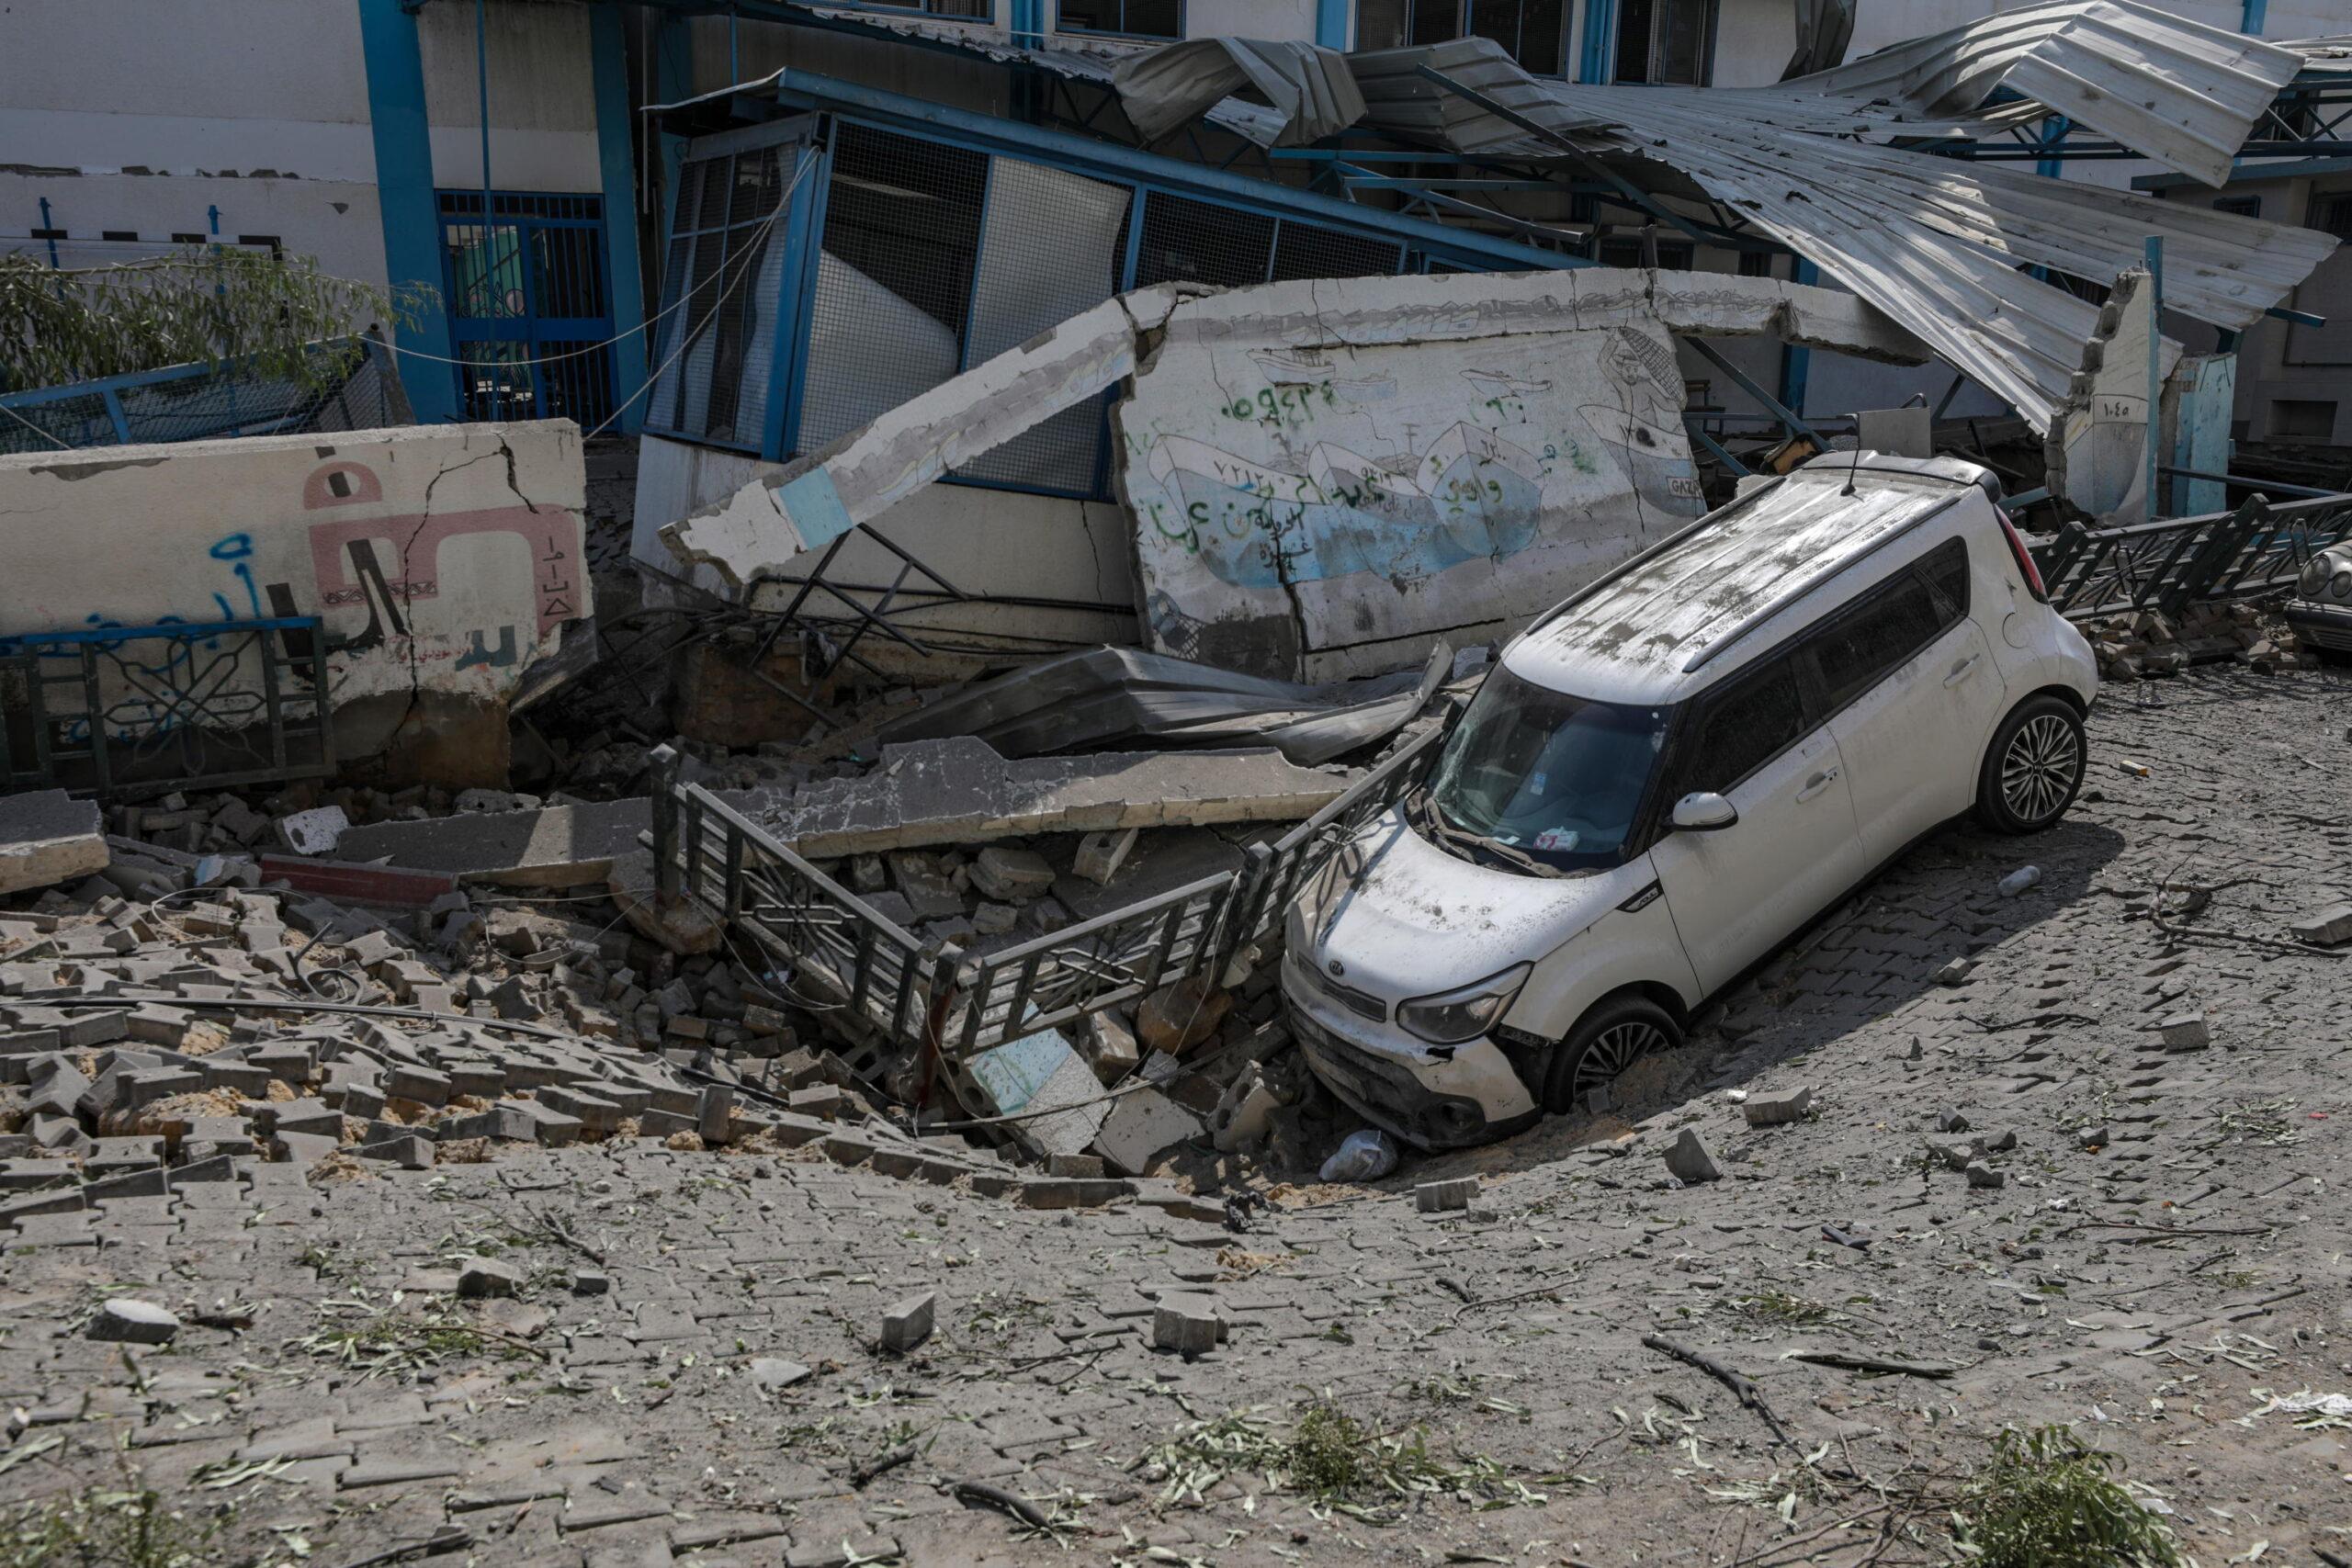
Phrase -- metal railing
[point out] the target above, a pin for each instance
(1085, 968)
(817, 931)
(1276, 871)
(113, 709)
(359, 388)
(2173, 563)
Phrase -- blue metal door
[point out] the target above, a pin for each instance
(529, 303)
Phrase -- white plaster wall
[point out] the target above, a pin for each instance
(542, 96)
(1248, 18)
(983, 541)
(477, 584)
(337, 221)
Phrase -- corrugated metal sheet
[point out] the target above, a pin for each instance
(2178, 91)
(1309, 88)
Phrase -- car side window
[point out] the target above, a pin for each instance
(1882, 629)
(1946, 570)
(1748, 722)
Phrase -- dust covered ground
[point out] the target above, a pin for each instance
(690, 1369)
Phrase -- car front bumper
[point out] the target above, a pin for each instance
(1485, 1101)
(2322, 625)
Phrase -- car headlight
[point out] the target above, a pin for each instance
(2314, 577)
(1450, 1018)
(2341, 583)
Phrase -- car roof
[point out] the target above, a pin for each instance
(1651, 631)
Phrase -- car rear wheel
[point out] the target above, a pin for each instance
(1611, 1037)
(2034, 767)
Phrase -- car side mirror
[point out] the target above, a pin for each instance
(1704, 812)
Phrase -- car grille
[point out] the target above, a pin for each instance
(1363, 1003)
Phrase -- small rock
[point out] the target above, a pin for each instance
(2332, 926)
(1100, 856)
(1778, 1110)
(1176, 1017)
(1689, 1160)
(2095, 1137)
(488, 1276)
(1009, 875)
(1442, 1197)
(1956, 972)
(1983, 1174)
(1950, 1121)
(126, 1321)
(591, 1283)
(907, 1324)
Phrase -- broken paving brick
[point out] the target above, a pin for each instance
(47, 837)
(907, 1324)
(1188, 1325)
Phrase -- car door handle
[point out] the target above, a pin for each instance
(1818, 783)
(1962, 671)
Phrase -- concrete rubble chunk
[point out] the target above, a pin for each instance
(958, 790)
(317, 832)
(1011, 875)
(591, 1283)
(1243, 1111)
(679, 924)
(1778, 1110)
(2186, 1032)
(127, 1321)
(1044, 1081)
(480, 1277)
(48, 836)
(1178, 1017)
(549, 846)
(1100, 856)
(1983, 1174)
(1689, 1161)
(1144, 1123)
(2332, 926)
(1445, 1196)
(907, 1324)
(769, 1373)
(1188, 1325)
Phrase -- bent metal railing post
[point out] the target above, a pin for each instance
(2172, 564)
(113, 710)
(802, 919)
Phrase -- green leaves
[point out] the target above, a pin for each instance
(201, 305)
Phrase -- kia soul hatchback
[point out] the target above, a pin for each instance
(1670, 775)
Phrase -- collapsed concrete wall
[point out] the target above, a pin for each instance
(446, 564)
(1323, 475)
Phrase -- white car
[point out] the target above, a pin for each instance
(1670, 775)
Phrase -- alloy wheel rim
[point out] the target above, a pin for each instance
(2039, 770)
(1612, 1051)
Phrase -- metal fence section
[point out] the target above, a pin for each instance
(115, 710)
(1085, 968)
(530, 309)
(358, 389)
(817, 931)
(1276, 871)
(2175, 562)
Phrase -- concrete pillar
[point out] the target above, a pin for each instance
(411, 213)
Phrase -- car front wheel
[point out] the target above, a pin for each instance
(1609, 1039)
(2034, 768)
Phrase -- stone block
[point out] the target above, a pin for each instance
(1778, 1110)
(1689, 1161)
(1187, 1324)
(1445, 1196)
(2331, 927)
(1142, 1125)
(126, 1321)
(1011, 875)
(2186, 1032)
(907, 1324)
(481, 1276)
(1100, 856)
(410, 1151)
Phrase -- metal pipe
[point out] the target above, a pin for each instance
(2155, 252)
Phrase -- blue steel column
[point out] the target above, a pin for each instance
(673, 81)
(1332, 28)
(614, 150)
(411, 217)
(1029, 23)
(1596, 61)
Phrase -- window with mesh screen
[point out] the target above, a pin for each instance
(1302, 250)
(894, 278)
(719, 293)
(1197, 241)
(1533, 32)
(1665, 41)
(1052, 245)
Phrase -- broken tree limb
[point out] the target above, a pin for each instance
(1739, 1383)
(1846, 1363)
(863, 1474)
(982, 1494)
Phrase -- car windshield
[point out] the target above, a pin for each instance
(1553, 777)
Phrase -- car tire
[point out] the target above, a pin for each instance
(2034, 768)
(1606, 1040)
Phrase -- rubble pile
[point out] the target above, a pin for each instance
(2143, 643)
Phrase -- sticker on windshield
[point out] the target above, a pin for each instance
(1560, 840)
(1535, 783)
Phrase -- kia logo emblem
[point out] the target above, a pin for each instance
(1336, 968)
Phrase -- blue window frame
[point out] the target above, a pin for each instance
(954, 10)
(529, 303)
(1121, 18)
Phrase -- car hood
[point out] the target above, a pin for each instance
(1403, 918)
